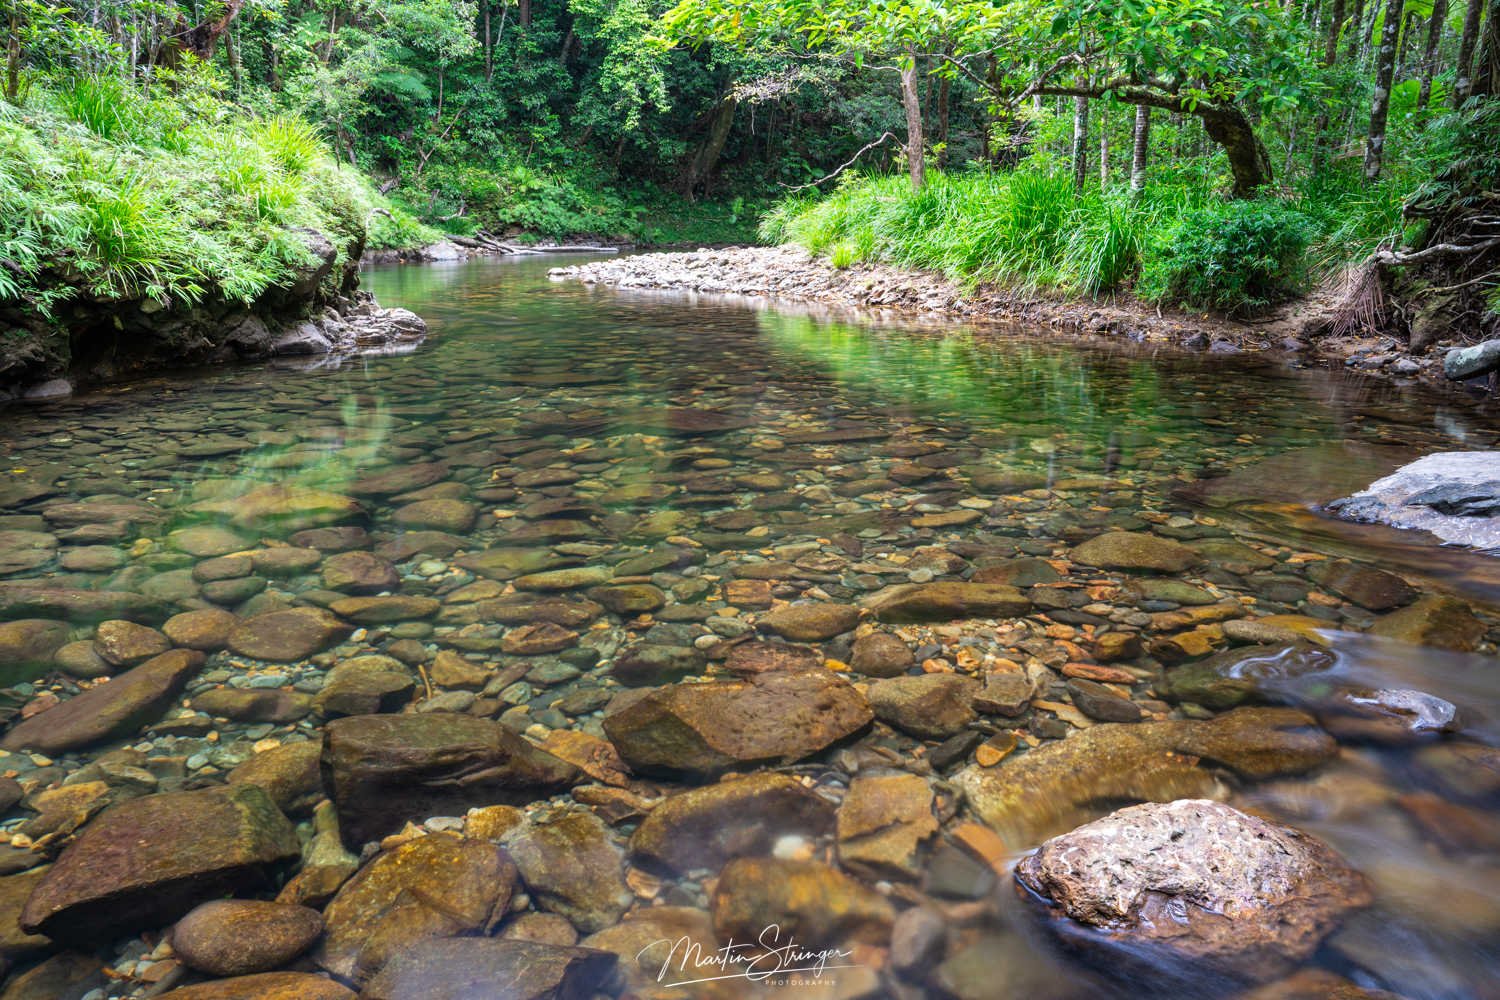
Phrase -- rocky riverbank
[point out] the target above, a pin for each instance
(789, 273)
(318, 315)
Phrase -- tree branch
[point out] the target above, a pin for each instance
(844, 166)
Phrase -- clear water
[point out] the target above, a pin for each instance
(630, 391)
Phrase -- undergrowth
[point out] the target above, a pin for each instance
(113, 194)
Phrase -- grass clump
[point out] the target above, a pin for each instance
(1033, 231)
(107, 192)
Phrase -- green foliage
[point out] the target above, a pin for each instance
(107, 192)
(1234, 257)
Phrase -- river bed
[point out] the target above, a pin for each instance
(571, 495)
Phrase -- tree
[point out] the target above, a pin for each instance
(1207, 58)
(1380, 103)
(1468, 40)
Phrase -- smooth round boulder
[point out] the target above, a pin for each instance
(237, 937)
(207, 629)
(124, 644)
(1136, 552)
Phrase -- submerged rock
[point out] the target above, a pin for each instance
(758, 899)
(1434, 620)
(382, 770)
(1130, 550)
(704, 730)
(928, 706)
(287, 636)
(109, 710)
(1058, 785)
(265, 986)
(1199, 881)
(947, 601)
(705, 827)
(237, 937)
(469, 968)
(439, 885)
(148, 861)
(571, 867)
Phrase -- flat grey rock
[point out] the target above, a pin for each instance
(1454, 495)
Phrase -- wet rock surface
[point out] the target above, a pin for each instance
(1201, 880)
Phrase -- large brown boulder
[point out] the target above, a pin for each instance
(27, 647)
(111, 710)
(571, 867)
(704, 730)
(1055, 787)
(1197, 881)
(929, 706)
(435, 886)
(283, 508)
(947, 601)
(147, 861)
(382, 770)
(811, 622)
(705, 827)
(473, 968)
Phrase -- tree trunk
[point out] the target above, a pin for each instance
(1140, 146)
(1248, 160)
(523, 13)
(1356, 20)
(1080, 140)
(916, 164)
(489, 45)
(1380, 104)
(1430, 56)
(1468, 41)
(700, 167)
(944, 89)
(1330, 56)
(13, 59)
(1487, 72)
(1104, 151)
(1335, 26)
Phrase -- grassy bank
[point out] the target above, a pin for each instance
(1032, 230)
(109, 193)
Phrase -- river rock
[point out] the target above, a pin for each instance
(251, 705)
(1099, 702)
(208, 541)
(509, 563)
(147, 861)
(565, 579)
(399, 479)
(385, 610)
(812, 622)
(1434, 620)
(1199, 881)
(237, 937)
(819, 906)
(629, 599)
(125, 644)
(27, 647)
(537, 639)
(381, 770)
(1245, 673)
(265, 986)
(755, 657)
(1059, 785)
(1004, 693)
(881, 654)
(438, 885)
(946, 601)
(705, 729)
(206, 629)
(287, 636)
(1366, 586)
(882, 821)
(648, 664)
(658, 949)
(705, 827)
(439, 515)
(1470, 362)
(64, 976)
(470, 968)
(24, 599)
(450, 670)
(571, 867)
(1135, 551)
(110, 710)
(289, 774)
(358, 572)
(366, 685)
(1452, 495)
(928, 706)
(16, 944)
(282, 508)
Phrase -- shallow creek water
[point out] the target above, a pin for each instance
(718, 460)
